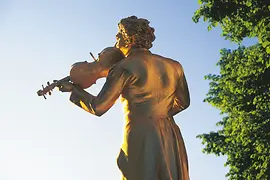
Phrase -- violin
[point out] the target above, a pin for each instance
(85, 74)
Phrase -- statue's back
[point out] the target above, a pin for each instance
(155, 79)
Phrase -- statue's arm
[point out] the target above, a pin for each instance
(182, 98)
(110, 92)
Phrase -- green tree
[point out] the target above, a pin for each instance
(242, 89)
(238, 18)
(242, 93)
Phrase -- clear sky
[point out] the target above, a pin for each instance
(53, 139)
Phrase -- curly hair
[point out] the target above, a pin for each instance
(137, 31)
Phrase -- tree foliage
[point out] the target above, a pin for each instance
(242, 93)
(242, 89)
(238, 18)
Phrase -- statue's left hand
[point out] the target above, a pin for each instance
(66, 87)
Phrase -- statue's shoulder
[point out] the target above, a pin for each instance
(176, 65)
(122, 65)
(169, 60)
(126, 63)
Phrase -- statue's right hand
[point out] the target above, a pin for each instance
(65, 87)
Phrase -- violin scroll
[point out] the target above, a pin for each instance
(50, 86)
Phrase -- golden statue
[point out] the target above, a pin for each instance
(153, 89)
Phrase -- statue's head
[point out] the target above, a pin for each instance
(134, 32)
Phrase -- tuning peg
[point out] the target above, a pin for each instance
(50, 92)
(44, 94)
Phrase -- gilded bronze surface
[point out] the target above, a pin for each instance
(153, 89)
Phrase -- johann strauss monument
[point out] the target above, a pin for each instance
(153, 89)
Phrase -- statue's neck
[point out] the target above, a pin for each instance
(134, 50)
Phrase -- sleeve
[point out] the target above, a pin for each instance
(116, 80)
(182, 98)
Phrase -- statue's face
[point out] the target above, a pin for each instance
(120, 42)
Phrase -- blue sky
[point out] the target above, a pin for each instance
(53, 139)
